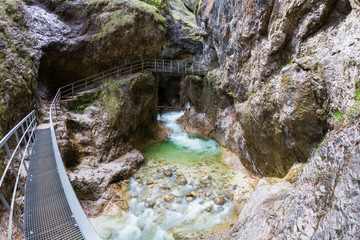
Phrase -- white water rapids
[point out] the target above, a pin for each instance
(150, 216)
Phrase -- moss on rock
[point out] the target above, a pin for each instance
(17, 70)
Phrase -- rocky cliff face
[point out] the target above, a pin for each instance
(17, 70)
(77, 39)
(283, 69)
(286, 87)
(95, 136)
(323, 201)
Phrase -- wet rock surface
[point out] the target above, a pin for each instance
(321, 204)
(179, 194)
(90, 183)
(96, 147)
(282, 73)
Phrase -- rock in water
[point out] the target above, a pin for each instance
(210, 208)
(219, 201)
(149, 182)
(168, 198)
(181, 180)
(189, 199)
(167, 173)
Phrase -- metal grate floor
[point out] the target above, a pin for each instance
(47, 214)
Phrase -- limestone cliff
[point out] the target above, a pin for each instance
(285, 90)
(17, 69)
(97, 131)
(282, 70)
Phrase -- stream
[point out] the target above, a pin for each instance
(182, 191)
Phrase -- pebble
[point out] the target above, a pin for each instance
(176, 193)
(179, 174)
(134, 195)
(192, 194)
(167, 173)
(219, 201)
(149, 182)
(168, 198)
(181, 180)
(165, 187)
(210, 208)
(189, 199)
(201, 194)
(150, 204)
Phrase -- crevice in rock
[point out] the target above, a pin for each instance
(71, 156)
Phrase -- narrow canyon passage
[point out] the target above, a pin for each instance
(183, 190)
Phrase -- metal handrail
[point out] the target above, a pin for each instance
(156, 65)
(27, 127)
(81, 219)
(27, 138)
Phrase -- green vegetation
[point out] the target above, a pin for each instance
(113, 86)
(118, 19)
(187, 20)
(352, 62)
(160, 4)
(357, 95)
(17, 82)
(213, 78)
(253, 94)
(86, 100)
(231, 94)
(324, 197)
(338, 116)
(321, 144)
(112, 100)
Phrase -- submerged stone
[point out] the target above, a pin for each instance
(167, 173)
(219, 201)
(181, 180)
(168, 198)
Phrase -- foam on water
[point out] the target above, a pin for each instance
(150, 216)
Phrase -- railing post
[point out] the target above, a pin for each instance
(103, 76)
(17, 141)
(179, 67)
(56, 102)
(13, 167)
(23, 132)
(155, 64)
(142, 67)
(3, 200)
(72, 90)
(170, 66)
(163, 66)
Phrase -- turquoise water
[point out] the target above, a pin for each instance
(150, 216)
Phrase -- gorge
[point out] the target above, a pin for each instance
(278, 113)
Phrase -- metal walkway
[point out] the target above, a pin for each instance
(52, 210)
(47, 214)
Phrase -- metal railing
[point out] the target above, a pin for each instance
(16, 154)
(80, 217)
(16, 148)
(156, 65)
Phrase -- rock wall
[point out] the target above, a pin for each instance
(76, 39)
(283, 69)
(17, 68)
(323, 201)
(95, 141)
